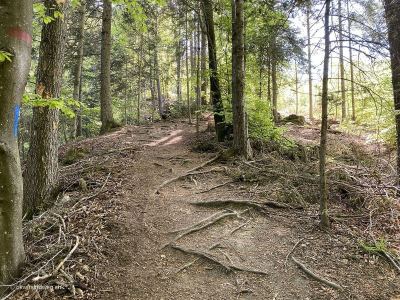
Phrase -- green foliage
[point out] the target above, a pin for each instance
(66, 106)
(40, 12)
(261, 125)
(5, 56)
(378, 247)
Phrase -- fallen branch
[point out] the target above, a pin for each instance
(188, 173)
(291, 251)
(60, 265)
(229, 267)
(315, 276)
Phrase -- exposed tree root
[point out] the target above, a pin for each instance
(188, 173)
(211, 248)
(229, 267)
(216, 187)
(204, 224)
(315, 276)
(259, 205)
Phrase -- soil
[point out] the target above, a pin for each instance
(136, 261)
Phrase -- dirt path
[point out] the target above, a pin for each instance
(140, 268)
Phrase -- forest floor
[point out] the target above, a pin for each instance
(138, 240)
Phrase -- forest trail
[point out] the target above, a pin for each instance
(137, 265)
(130, 235)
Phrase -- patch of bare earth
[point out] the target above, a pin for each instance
(227, 230)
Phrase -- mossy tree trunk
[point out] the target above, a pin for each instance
(41, 172)
(15, 38)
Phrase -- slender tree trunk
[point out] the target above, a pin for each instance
(78, 68)
(107, 119)
(297, 89)
(310, 80)
(353, 101)
(41, 172)
(269, 91)
(240, 138)
(204, 80)
(140, 65)
(179, 64)
(15, 38)
(79, 121)
(341, 62)
(198, 77)
(274, 91)
(187, 69)
(324, 126)
(392, 10)
(215, 90)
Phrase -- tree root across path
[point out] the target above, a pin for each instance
(229, 267)
(315, 276)
(188, 173)
(258, 205)
(204, 224)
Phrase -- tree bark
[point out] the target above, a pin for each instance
(107, 119)
(353, 101)
(77, 130)
(324, 125)
(187, 69)
(392, 11)
(240, 138)
(274, 90)
(204, 84)
(341, 63)
(310, 80)
(15, 38)
(41, 172)
(215, 90)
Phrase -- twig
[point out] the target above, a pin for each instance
(291, 251)
(60, 265)
(315, 276)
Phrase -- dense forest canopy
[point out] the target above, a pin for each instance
(254, 70)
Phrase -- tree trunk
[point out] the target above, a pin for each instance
(392, 10)
(187, 69)
(198, 77)
(203, 67)
(240, 138)
(107, 119)
(353, 101)
(41, 172)
(140, 64)
(297, 89)
(341, 62)
(215, 90)
(15, 38)
(324, 126)
(310, 80)
(274, 90)
(78, 69)
(179, 64)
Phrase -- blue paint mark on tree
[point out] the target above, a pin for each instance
(16, 120)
